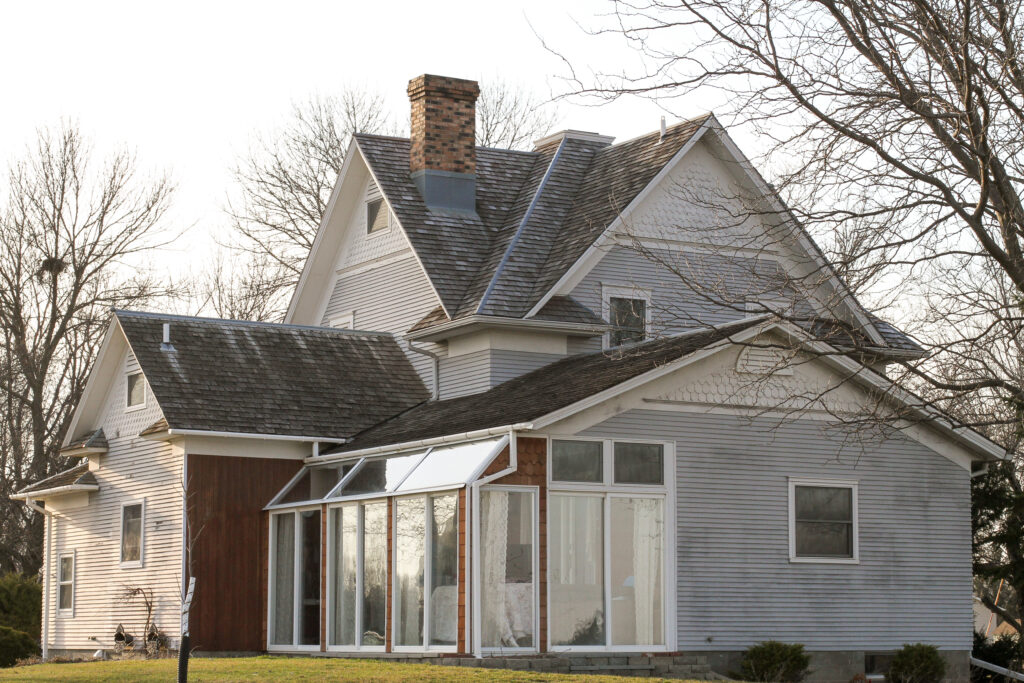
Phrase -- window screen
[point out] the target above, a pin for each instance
(136, 389)
(628, 320)
(131, 533)
(823, 521)
(376, 216)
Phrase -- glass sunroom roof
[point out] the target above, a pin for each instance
(431, 468)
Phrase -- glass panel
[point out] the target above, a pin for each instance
(449, 465)
(284, 579)
(577, 461)
(309, 614)
(637, 565)
(506, 568)
(628, 320)
(577, 612)
(136, 390)
(824, 503)
(378, 476)
(131, 533)
(376, 215)
(65, 596)
(824, 539)
(409, 550)
(67, 568)
(344, 526)
(375, 572)
(315, 483)
(444, 570)
(639, 463)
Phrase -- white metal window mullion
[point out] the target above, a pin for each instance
(297, 581)
(271, 576)
(608, 625)
(428, 570)
(360, 510)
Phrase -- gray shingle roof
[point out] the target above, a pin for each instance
(568, 310)
(261, 378)
(537, 393)
(94, 439)
(79, 475)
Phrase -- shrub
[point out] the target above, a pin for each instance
(774, 662)
(15, 645)
(21, 600)
(917, 663)
(1002, 651)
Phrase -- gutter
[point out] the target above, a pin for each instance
(436, 385)
(421, 443)
(29, 498)
(160, 436)
(438, 331)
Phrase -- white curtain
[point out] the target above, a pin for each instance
(647, 562)
(496, 627)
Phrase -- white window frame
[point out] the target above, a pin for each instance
(132, 564)
(70, 611)
(607, 491)
(609, 291)
(477, 611)
(366, 215)
(827, 483)
(127, 393)
(428, 511)
(344, 321)
(296, 583)
(332, 571)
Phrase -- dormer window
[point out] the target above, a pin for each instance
(628, 320)
(136, 391)
(377, 216)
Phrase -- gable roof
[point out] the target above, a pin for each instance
(91, 442)
(78, 478)
(262, 378)
(538, 393)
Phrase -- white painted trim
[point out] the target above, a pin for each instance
(467, 324)
(296, 580)
(593, 254)
(139, 563)
(96, 376)
(130, 408)
(54, 492)
(611, 291)
(366, 213)
(398, 448)
(252, 435)
(67, 613)
(851, 484)
(346, 321)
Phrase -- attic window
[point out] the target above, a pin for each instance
(376, 216)
(628, 320)
(136, 390)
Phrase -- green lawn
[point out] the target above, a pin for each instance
(277, 669)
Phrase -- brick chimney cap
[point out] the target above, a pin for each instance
(430, 84)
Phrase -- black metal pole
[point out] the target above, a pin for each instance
(183, 650)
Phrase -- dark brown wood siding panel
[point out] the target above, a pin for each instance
(531, 470)
(228, 528)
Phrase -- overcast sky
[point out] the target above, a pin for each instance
(186, 84)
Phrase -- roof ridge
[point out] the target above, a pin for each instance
(249, 323)
(524, 152)
(682, 122)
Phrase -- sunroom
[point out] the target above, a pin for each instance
(498, 545)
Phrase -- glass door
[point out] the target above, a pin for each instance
(294, 600)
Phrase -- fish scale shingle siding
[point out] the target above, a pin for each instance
(735, 583)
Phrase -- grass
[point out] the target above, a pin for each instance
(278, 669)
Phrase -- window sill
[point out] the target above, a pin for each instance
(824, 560)
(66, 614)
(135, 409)
(131, 565)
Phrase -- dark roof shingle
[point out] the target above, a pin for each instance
(261, 378)
(79, 475)
(537, 393)
(94, 439)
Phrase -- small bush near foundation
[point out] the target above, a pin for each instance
(15, 645)
(917, 663)
(774, 662)
(1002, 651)
(21, 599)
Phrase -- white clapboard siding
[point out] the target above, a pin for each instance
(134, 469)
(735, 583)
(478, 371)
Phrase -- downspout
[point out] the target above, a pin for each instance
(475, 509)
(436, 391)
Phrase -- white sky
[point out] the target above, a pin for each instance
(186, 84)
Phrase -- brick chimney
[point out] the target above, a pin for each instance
(442, 152)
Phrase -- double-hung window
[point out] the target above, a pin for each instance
(823, 521)
(628, 312)
(607, 544)
(132, 533)
(66, 584)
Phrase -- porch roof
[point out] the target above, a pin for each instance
(76, 479)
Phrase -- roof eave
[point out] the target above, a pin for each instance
(82, 451)
(55, 492)
(475, 322)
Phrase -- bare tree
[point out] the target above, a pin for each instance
(894, 130)
(68, 232)
(511, 117)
